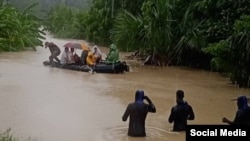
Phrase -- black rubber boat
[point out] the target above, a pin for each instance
(119, 67)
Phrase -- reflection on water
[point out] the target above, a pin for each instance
(46, 104)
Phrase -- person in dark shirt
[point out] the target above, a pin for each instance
(137, 113)
(180, 113)
(54, 50)
(242, 116)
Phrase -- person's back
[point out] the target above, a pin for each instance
(137, 112)
(84, 56)
(180, 113)
(243, 116)
(53, 47)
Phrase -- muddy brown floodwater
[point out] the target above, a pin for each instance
(41, 103)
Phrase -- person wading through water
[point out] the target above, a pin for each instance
(242, 116)
(137, 113)
(181, 112)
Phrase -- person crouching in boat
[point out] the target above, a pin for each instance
(54, 50)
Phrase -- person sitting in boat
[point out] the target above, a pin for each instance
(65, 56)
(91, 61)
(71, 56)
(84, 56)
(97, 54)
(74, 59)
(113, 55)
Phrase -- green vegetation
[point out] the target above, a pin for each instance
(19, 30)
(6, 136)
(62, 22)
(206, 34)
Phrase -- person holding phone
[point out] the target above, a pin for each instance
(137, 112)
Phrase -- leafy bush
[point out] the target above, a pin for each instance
(6, 136)
(62, 21)
(19, 30)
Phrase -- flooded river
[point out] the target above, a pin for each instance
(41, 103)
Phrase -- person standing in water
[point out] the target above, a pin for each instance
(137, 112)
(54, 50)
(242, 116)
(181, 112)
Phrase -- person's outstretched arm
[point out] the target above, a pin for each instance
(225, 120)
(235, 121)
(151, 105)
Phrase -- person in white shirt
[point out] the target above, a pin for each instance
(71, 56)
(65, 56)
(97, 54)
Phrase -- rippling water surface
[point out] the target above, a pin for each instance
(41, 103)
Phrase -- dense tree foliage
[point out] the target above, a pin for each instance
(204, 34)
(18, 30)
(61, 21)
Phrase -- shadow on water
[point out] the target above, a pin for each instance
(46, 104)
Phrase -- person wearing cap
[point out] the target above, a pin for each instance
(137, 112)
(180, 113)
(242, 116)
(54, 50)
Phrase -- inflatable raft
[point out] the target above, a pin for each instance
(119, 67)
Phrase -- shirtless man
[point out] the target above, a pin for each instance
(54, 50)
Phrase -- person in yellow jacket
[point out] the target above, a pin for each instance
(90, 61)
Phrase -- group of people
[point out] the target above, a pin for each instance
(89, 57)
(69, 57)
(180, 113)
(137, 111)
